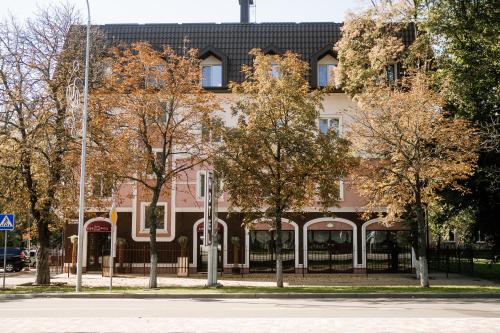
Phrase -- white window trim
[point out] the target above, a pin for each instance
(100, 196)
(211, 75)
(202, 198)
(334, 83)
(275, 70)
(143, 216)
(333, 117)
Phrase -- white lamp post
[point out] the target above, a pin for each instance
(81, 212)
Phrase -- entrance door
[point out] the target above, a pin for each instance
(202, 265)
(329, 251)
(98, 245)
(263, 251)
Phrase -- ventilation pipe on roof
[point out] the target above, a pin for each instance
(245, 10)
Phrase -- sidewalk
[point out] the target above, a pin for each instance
(253, 280)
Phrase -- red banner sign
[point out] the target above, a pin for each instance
(99, 226)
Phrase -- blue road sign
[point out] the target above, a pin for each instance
(7, 222)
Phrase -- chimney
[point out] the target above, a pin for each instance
(245, 10)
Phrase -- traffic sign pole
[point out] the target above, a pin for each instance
(111, 261)
(7, 223)
(4, 258)
(113, 216)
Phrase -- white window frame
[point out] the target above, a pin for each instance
(101, 187)
(275, 70)
(199, 197)
(329, 117)
(211, 132)
(211, 85)
(143, 216)
(331, 80)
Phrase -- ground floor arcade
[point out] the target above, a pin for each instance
(312, 243)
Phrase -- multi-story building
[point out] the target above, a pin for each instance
(313, 241)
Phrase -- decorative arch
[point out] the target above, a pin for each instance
(363, 239)
(85, 236)
(195, 242)
(333, 219)
(283, 220)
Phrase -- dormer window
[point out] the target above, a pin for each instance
(275, 72)
(211, 70)
(212, 76)
(326, 74)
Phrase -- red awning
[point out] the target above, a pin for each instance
(99, 226)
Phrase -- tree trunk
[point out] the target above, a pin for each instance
(422, 242)
(278, 248)
(153, 271)
(42, 267)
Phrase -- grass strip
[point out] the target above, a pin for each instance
(253, 290)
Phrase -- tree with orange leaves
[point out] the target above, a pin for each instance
(146, 122)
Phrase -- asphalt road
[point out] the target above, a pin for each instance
(248, 315)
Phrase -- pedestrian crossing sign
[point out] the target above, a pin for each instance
(6, 221)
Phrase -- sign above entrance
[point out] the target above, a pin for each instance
(99, 226)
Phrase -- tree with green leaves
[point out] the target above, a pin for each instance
(466, 34)
(276, 160)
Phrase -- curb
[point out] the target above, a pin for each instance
(258, 295)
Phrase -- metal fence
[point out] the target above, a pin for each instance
(137, 260)
(265, 261)
(330, 260)
(451, 260)
(397, 259)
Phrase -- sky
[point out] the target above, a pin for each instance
(188, 11)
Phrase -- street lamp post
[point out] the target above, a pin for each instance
(81, 212)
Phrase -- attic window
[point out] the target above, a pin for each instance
(275, 72)
(326, 67)
(211, 69)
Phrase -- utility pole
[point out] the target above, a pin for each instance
(81, 212)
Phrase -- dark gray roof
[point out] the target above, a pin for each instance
(233, 41)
